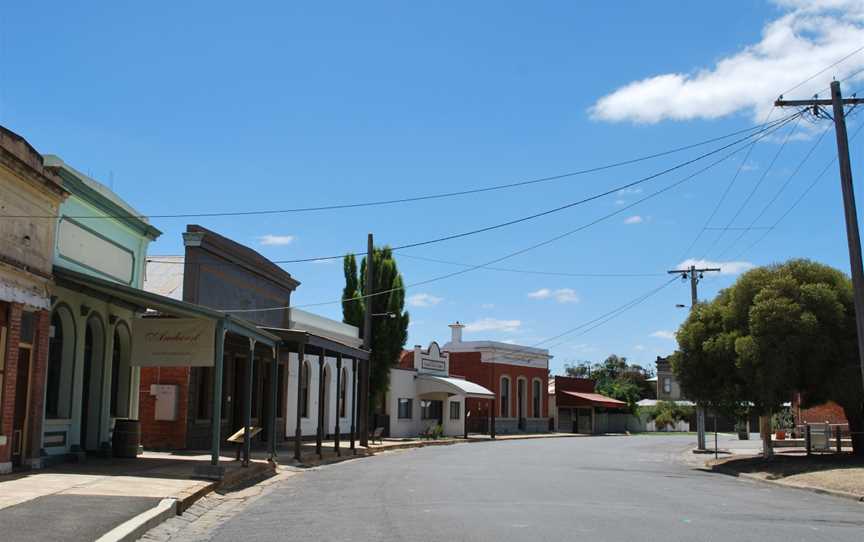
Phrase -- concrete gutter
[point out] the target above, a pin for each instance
(135, 528)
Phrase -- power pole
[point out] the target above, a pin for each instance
(363, 407)
(853, 237)
(695, 275)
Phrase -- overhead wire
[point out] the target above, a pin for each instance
(425, 197)
(546, 212)
(520, 251)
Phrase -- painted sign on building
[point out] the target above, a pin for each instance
(173, 342)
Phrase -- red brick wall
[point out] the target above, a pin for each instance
(38, 373)
(163, 435)
(12, 320)
(469, 366)
(829, 412)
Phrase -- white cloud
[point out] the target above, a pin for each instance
(726, 268)
(664, 334)
(487, 306)
(561, 295)
(276, 240)
(423, 300)
(493, 324)
(635, 219)
(325, 262)
(639, 347)
(807, 37)
(542, 293)
(620, 201)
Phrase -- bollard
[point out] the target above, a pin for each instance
(807, 438)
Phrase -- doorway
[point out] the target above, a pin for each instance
(22, 399)
(91, 399)
(326, 395)
(584, 421)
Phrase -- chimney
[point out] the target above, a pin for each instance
(456, 332)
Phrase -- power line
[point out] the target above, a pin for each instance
(531, 271)
(777, 194)
(606, 317)
(754, 189)
(825, 69)
(518, 252)
(798, 199)
(758, 135)
(426, 197)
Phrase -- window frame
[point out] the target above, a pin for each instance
(504, 407)
(458, 409)
(537, 397)
(409, 403)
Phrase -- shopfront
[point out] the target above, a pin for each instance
(424, 399)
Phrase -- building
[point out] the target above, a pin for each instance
(517, 375)
(423, 395)
(30, 198)
(316, 396)
(101, 241)
(578, 408)
(668, 388)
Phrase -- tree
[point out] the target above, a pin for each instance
(778, 330)
(389, 334)
(668, 413)
(615, 378)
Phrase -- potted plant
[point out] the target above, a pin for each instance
(742, 430)
(783, 421)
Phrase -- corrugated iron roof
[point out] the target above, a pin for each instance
(596, 399)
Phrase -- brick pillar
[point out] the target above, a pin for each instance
(38, 374)
(13, 334)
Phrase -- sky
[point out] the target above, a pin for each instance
(185, 107)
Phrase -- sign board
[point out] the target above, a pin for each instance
(173, 342)
(433, 364)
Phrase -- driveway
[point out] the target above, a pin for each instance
(602, 488)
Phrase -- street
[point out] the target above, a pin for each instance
(602, 488)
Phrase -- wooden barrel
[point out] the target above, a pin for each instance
(127, 438)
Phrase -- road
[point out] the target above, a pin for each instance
(600, 488)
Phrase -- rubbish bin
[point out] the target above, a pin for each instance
(126, 439)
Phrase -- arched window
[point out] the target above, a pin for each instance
(304, 390)
(505, 397)
(536, 396)
(343, 394)
(121, 373)
(61, 364)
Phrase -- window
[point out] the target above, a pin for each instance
(667, 385)
(537, 394)
(455, 410)
(343, 393)
(280, 390)
(406, 409)
(505, 397)
(304, 390)
(254, 401)
(431, 410)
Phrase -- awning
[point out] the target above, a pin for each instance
(452, 386)
(593, 399)
(142, 300)
(298, 336)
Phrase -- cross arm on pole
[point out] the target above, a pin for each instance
(809, 103)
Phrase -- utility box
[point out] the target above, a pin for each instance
(166, 401)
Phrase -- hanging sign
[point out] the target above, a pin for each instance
(173, 342)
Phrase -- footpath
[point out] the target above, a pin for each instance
(109, 499)
(840, 475)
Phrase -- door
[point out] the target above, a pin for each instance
(565, 420)
(583, 424)
(19, 419)
(238, 393)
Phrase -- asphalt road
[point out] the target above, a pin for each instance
(601, 488)
(69, 518)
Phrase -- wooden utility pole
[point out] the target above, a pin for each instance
(853, 237)
(363, 403)
(695, 275)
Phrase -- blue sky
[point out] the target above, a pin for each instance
(208, 107)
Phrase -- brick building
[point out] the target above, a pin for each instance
(27, 189)
(574, 404)
(517, 375)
